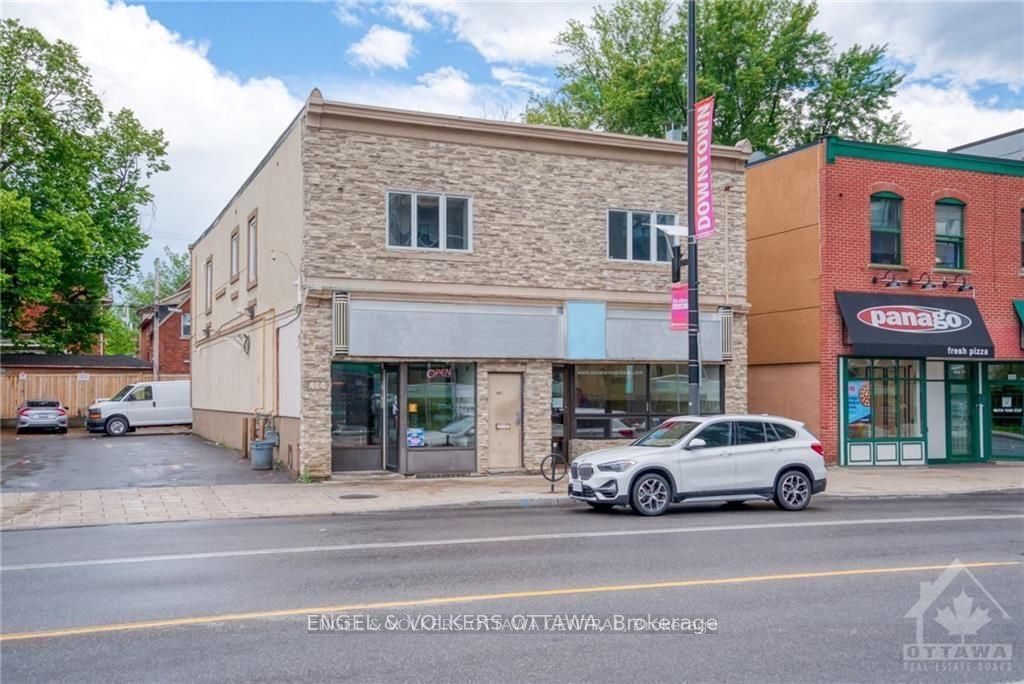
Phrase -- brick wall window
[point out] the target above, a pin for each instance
(435, 221)
(1022, 239)
(186, 324)
(632, 237)
(886, 228)
(949, 233)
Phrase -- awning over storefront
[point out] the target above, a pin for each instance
(1018, 304)
(914, 326)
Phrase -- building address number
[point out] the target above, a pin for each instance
(319, 385)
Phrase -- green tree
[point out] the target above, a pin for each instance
(72, 181)
(175, 269)
(118, 336)
(777, 82)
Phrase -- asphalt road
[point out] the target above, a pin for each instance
(821, 595)
(151, 457)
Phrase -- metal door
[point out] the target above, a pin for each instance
(505, 421)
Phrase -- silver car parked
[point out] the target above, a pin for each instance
(42, 414)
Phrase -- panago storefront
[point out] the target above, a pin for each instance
(887, 298)
(919, 386)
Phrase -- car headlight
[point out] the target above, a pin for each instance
(616, 466)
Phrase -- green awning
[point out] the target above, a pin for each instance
(1018, 304)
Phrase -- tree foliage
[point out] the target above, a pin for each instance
(73, 179)
(118, 336)
(777, 81)
(175, 269)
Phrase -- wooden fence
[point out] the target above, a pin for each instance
(75, 390)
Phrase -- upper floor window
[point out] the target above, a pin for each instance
(250, 263)
(421, 220)
(949, 233)
(631, 235)
(886, 225)
(235, 254)
(208, 284)
(186, 324)
(1022, 239)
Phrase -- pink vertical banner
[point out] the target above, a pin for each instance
(704, 211)
(680, 319)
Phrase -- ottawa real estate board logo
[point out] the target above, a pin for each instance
(953, 616)
(909, 318)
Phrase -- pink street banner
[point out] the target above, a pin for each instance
(704, 211)
(680, 307)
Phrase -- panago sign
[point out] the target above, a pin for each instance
(906, 318)
(704, 203)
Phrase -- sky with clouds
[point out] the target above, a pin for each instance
(224, 79)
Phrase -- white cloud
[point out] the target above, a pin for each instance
(967, 42)
(941, 118)
(218, 127)
(382, 47)
(347, 12)
(513, 78)
(513, 32)
(409, 14)
(446, 91)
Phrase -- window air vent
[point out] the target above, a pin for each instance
(339, 323)
(726, 314)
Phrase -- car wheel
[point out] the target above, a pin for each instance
(19, 431)
(650, 494)
(596, 505)
(793, 491)
(117, 426)
(63, 431)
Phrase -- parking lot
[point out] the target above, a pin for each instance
(153, 457)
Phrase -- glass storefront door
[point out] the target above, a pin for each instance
(356, 434)
(961, 396)
(1006, 410)
(391, 416)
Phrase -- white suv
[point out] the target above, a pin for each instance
(717, 458)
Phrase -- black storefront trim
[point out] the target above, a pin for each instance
(914, 326)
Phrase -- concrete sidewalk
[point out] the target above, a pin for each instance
(30, 510)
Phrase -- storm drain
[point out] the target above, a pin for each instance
(357, 495)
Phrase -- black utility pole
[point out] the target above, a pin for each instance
(691, 174)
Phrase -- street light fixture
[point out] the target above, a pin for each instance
(677, 233)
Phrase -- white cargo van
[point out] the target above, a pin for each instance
(143, 404)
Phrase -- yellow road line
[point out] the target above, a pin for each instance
(471, 598)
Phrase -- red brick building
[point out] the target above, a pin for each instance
(175, 328)
(887, 296)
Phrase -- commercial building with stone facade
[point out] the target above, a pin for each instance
(434, 294)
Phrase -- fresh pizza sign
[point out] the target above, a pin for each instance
(906, 318)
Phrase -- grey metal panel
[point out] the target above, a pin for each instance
(639, 334)
(443, 331)
(441, 461)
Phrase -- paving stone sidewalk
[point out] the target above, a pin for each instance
(31, 510)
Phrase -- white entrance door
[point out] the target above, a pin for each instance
(505, 421)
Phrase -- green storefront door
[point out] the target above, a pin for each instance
(961, 397)
(1005, 410)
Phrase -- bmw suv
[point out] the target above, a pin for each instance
(716, 458)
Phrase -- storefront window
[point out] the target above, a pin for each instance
(623, 401)
(883, 399)
(441, 405)
(355, 404)
(1006, 371)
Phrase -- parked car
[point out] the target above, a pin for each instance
(715, 458)
(42, 414)
(142, 404)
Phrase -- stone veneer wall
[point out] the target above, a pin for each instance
(536, 410)
(517, 195)
(315, 388)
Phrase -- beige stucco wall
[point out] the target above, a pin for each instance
(225, 377)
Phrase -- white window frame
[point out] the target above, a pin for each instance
(252, 237)
(235, 254)
(629, 235)
(185, 316)
(208, 277)
(442, 221)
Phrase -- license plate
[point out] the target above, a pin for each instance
(577, 487)
(44, 416)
